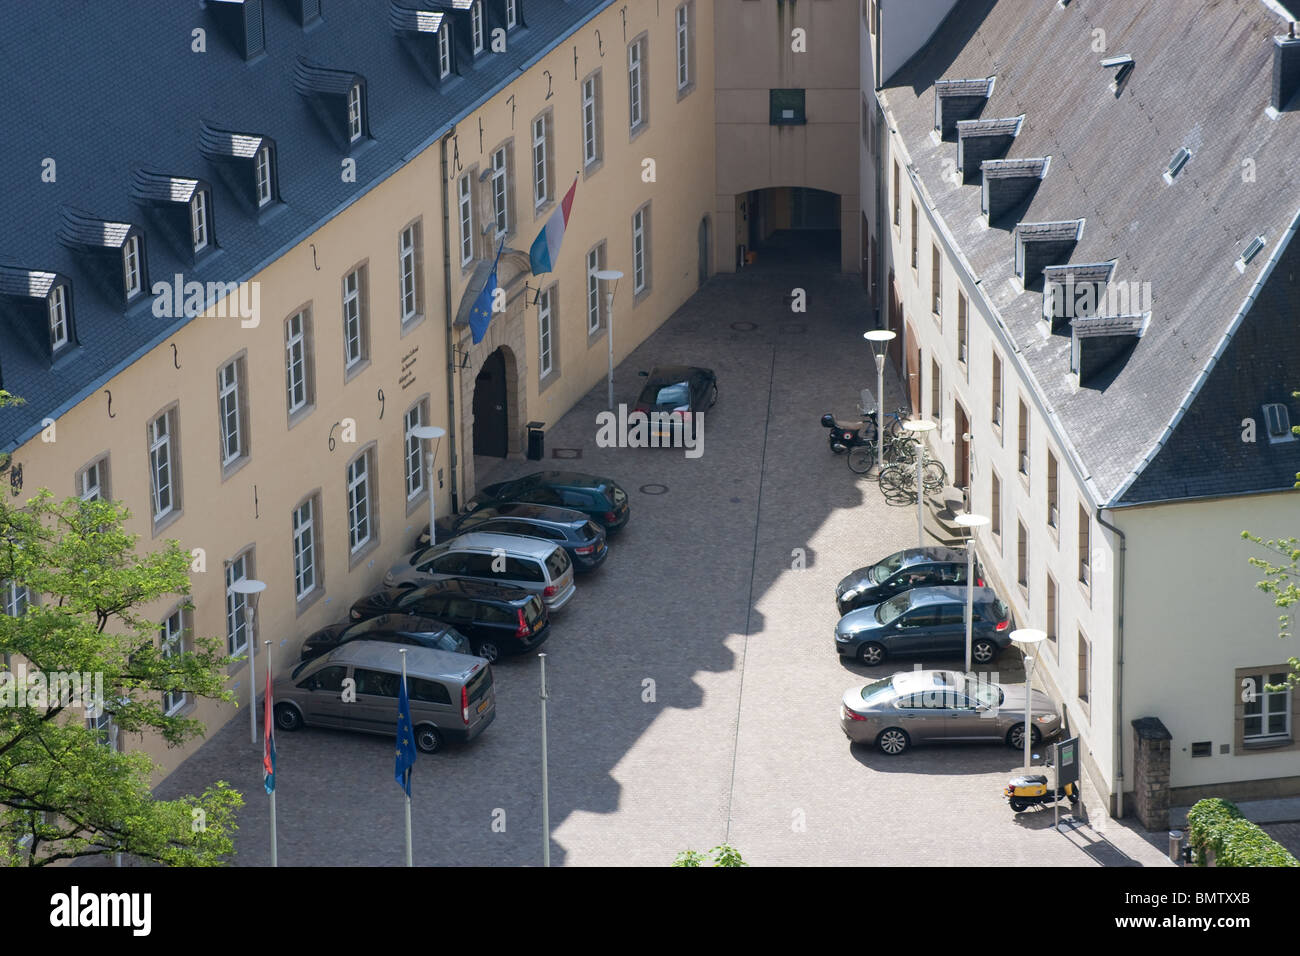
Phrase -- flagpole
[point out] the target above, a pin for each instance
(275, 859)
(407, 772)
(546, 795)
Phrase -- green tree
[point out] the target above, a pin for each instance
(1282, 581)
(61, 793)
(724, 855)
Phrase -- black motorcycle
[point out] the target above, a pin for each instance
(846, 435)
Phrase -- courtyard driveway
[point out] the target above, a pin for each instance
(694, 685)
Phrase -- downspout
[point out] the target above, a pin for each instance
(454, 463)
(882, 190)
(1119, 664)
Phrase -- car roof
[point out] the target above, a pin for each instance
(420, 661)
(471, 588)
(913, 556)
(669, 374)
(487, 540)
(909, 682)
(560, 478)
(527, 509)
(947, 594)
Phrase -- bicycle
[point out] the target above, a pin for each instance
(900, 448)
(862, 458)
(899, 479)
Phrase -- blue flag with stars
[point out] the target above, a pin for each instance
(405, 740)
(480, 314)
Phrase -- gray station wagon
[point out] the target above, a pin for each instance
(542, 567)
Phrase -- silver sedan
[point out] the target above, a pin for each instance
(915, 707)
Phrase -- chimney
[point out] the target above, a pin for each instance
(959, 100)
(1041, 244)
(1286, 69)
(978, 140)
(1099, 341)
(242, 21)
(1008, 184)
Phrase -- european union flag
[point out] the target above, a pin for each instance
(405, 740)
(480, 314)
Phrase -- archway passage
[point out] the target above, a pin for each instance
(491, 421)
(789, 227)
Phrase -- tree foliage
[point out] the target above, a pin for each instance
(723, 855)
(62, 794)
(1281, 580)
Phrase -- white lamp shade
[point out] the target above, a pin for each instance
(919, 425)
(248, 586)
(609, 275)
(1028, 637)
(428, 431)
(967, 520)
(879, 335)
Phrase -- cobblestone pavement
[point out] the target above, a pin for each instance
(1287, 834)
(737, 738)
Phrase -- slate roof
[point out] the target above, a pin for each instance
(128, 113)
(1201, 79)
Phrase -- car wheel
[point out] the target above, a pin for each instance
(893, 741)
(713, 395)
(1074, 797)
(1018, 805)
(982, 652)
(427, 739)
(287, 717)
(489, 651)
(1016, 737)
(871, 654)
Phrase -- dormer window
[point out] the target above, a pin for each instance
(58, 304)
(246, 161)
(354, 113)
(476, 26)
(512, 14)
(262, 170)
(199, 220)
(131, 267)
(1278, 421)
(444, 49)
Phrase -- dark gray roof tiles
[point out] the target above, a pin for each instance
(1069, 230)
(83, 231)
(1013, 168)
(215, 143)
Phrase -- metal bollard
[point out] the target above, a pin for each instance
(1175, 846)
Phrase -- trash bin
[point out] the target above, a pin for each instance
(536, 441)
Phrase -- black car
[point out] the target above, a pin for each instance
(392, 628)
(912, 568)
(600, 499)
(679, 391)
(571, 530)
(497, 620)
(926, 621)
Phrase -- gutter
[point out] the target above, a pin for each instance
(1119, 665)
(454, 463)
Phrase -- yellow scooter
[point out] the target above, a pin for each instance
(1030, 789)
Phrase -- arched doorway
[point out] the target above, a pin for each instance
(491, 418)
(795, 227)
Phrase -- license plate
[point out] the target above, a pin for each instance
(483, 706)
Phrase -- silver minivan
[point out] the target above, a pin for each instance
(542, 567)
(356, 687)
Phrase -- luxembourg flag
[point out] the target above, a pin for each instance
(546, 247)
(268, 742)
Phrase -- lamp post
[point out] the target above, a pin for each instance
(1028, 638)
(880, 339)
(917, 427)
(610, 275)
(970, 522)
(431, 433)
(250, 588)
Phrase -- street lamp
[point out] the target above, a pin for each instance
(431, 433)
(610, 275)
(1028, 638)
(917, 427)
(970, 522)
(880, 339)
(250, 588)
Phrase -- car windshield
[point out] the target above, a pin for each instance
(299, 669)
(879, 689)
(984, 692)
(893, 607)
(673, 396)
(887, 567)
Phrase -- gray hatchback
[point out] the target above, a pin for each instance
(926, 621)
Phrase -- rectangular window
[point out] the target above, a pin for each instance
(545, 331)
(936, 390)
(786, 107)
(595, 263)
(414, 452)
(1085, 547)
(465, 202)
(164, 483)
(476, 25)
(354, 113)
(591, 117)
(995, 524)
(444, 48)
(1052, 624)
(1085, 669)
(1266, 714)
(1277, 419)
(683, 47)
(16, 597)
(1053, 493)
(237, 635)
(916, 238)
(996, 397)
(898, 203)
(512, 14)
(640, 253)
(1022, 442)
(171, 637)
(636, 84)
(500, 187)
(199, 220)
(304, 549)
(936, 283)
(58, 318)
(359, 502)
(408, 258)
(231, 411)
(263, 172)
(1022, 556)
(92, 481)
(963, 329)
(297, 365)
(355, 346)
(541, 161)
(131, 267)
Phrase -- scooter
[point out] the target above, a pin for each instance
(846, 435)
(1030, 790)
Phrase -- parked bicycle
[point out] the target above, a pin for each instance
(899, 479)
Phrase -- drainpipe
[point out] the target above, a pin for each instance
(454, 463)
(1119, 662)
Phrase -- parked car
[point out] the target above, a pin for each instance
(572, 530)
(678, 391)
(541, 567)
(912, 568)
(600, 499)
(452, 696)
(926, 621)
(938, 706)
(497, 620)
(393, 628)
